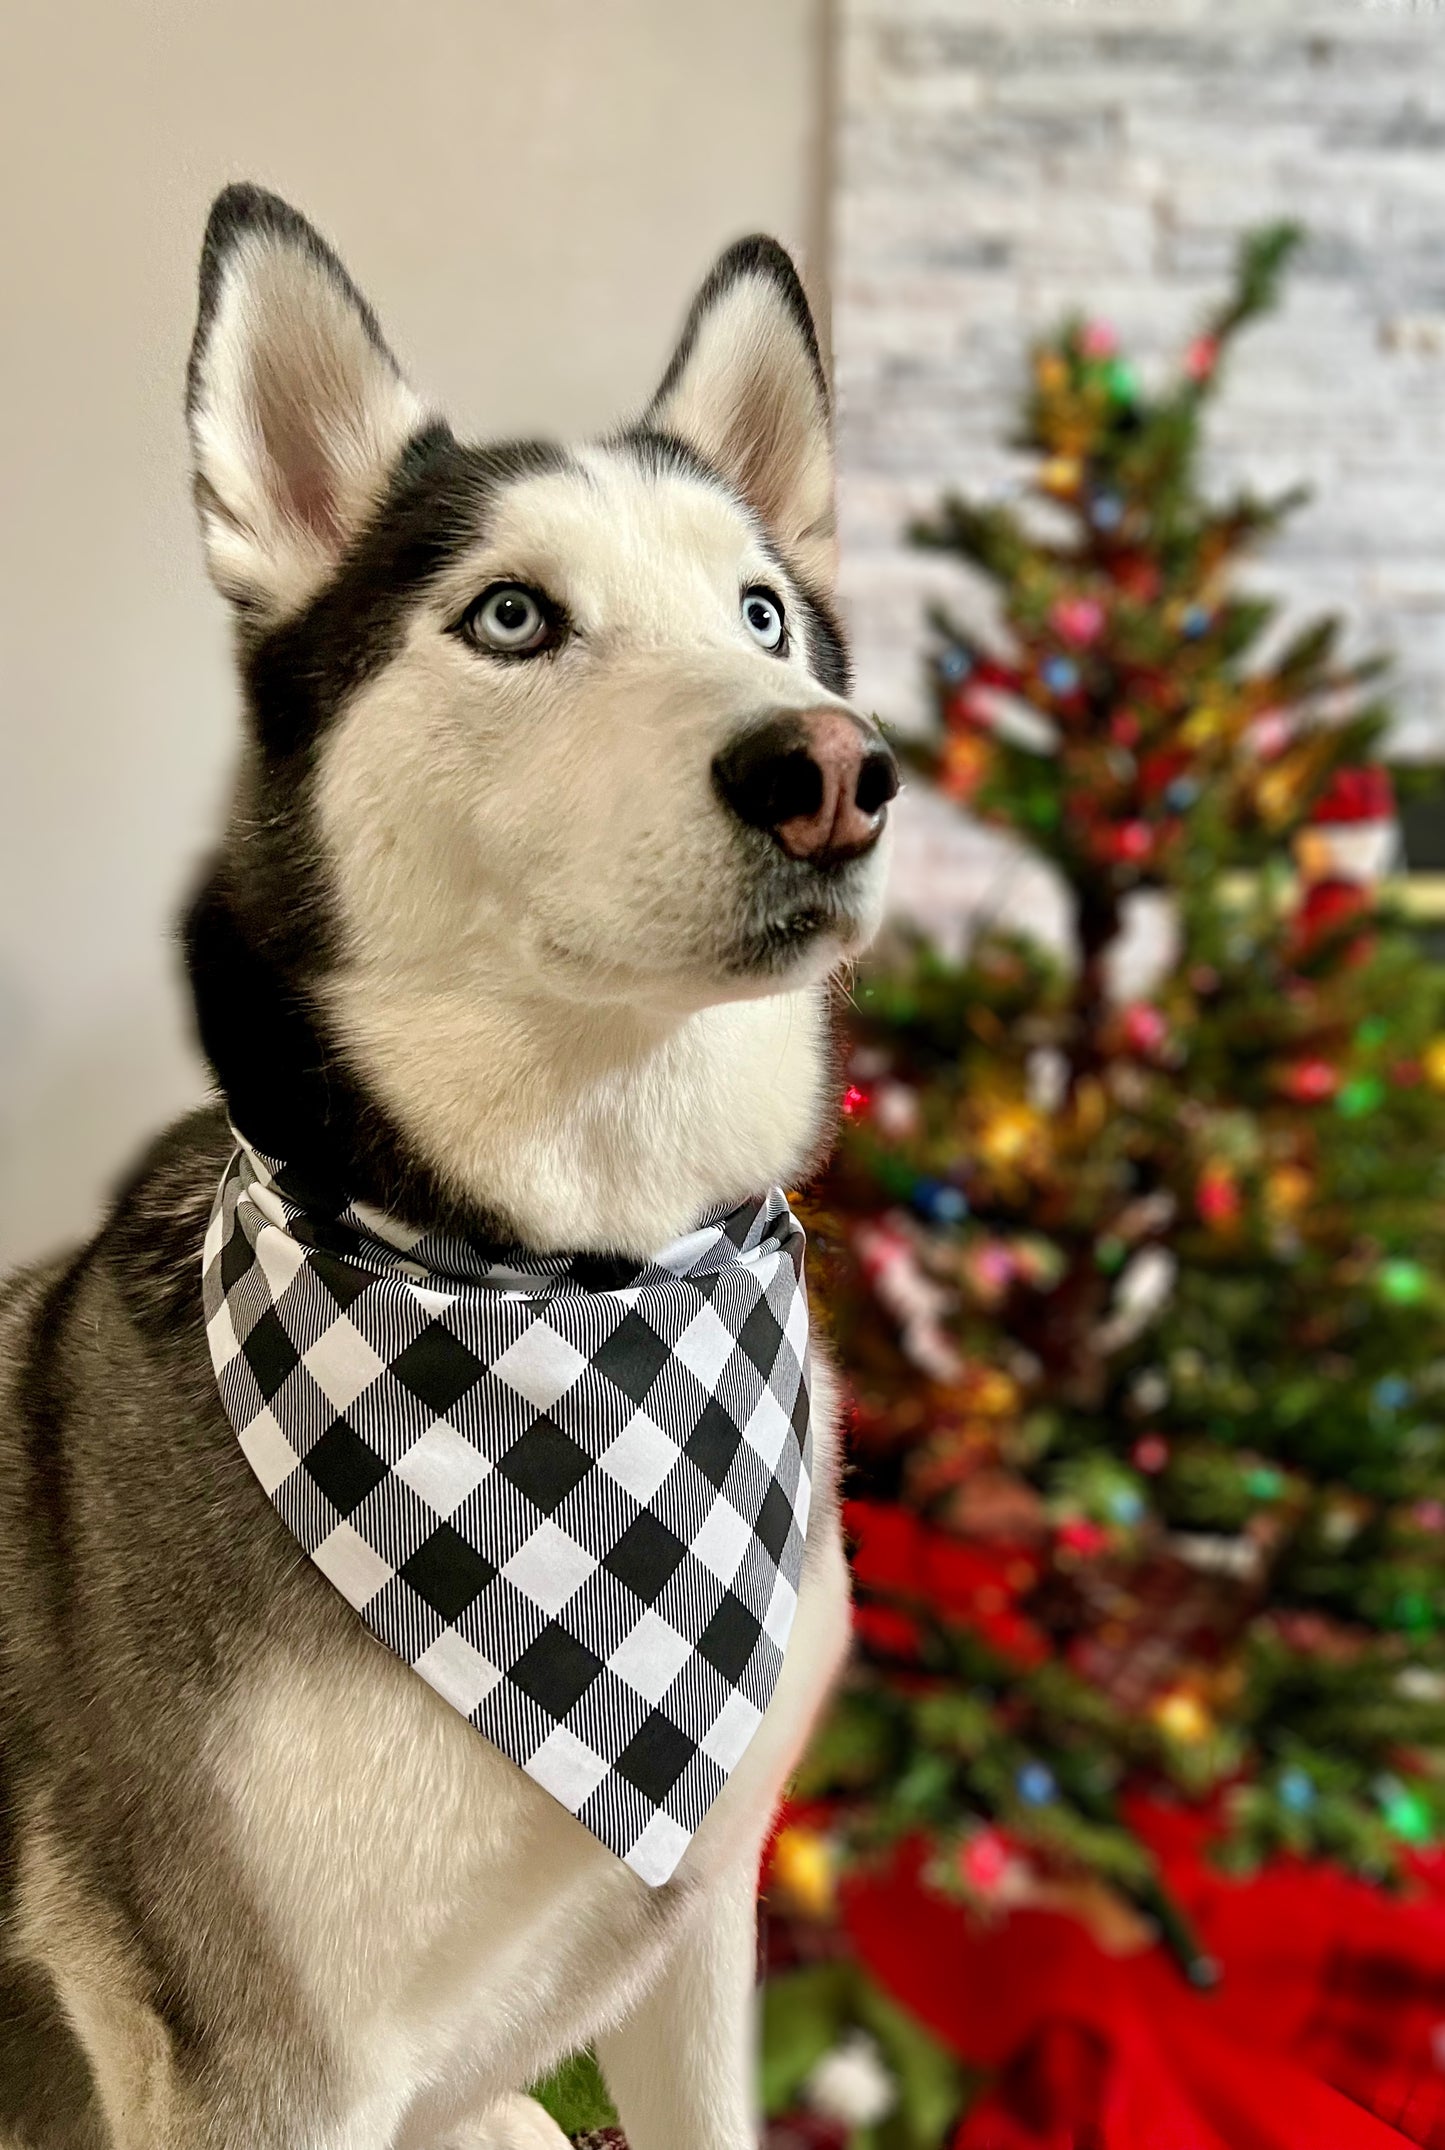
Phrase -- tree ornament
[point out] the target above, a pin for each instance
(1007, 1135)
(1201, 358)
(963, 766)
(1061, 475)
(1036, 1784)
(940, 1202)
(1106, 511)
(1079, 620)
(1217, 1197)
(1146, 1029)
(1408, 1816)
(1264, 1483)
(1181, 1715)
(1122, 381)
(1296, 1790)
(1402, 1283)
(1309, 1082)
(1270, 733)
(1060, 675)
(852, 2084)
(1287, 1191)
(1126, 843)
(985, 1860)
(1360, 1096)
(805, 1867)
(1432, 1063)
(1083, 1537)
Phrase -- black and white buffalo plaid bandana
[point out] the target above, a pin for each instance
(571, 1493)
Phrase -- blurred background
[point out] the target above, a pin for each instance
(1127, 1826)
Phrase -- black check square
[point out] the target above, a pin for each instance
(775, 1520)
(555, 1670)
(760, 1336)
(438, 1368)
(730, 1637)
(633, 1356)
(446, 1572)
(270, 1354)
(545, 1464)
(536, 1558)
(344, 1467)
(646, 1556)
(655, 1757)
(714, 1441)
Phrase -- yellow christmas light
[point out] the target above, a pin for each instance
(1181, 1715)
(805, 1868)
(1432, 1060)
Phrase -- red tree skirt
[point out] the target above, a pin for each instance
(1326, 2031)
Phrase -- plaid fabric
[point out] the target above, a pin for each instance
(571, 1493)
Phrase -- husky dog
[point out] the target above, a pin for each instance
(551, 823)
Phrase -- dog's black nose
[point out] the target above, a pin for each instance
(818, 783)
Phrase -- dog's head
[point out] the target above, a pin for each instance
(569, 718)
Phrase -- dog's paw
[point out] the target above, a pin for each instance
(514, 2123)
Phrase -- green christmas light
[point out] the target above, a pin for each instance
(1362, 1095)
(1408, 1816)
(1402, 1283)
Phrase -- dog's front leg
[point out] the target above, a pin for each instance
(682, 2067)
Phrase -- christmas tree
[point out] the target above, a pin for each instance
(1140, 1299)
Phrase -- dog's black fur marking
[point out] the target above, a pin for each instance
(761, 257)
(245, 211)
(259, 935)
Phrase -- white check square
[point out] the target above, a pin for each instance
(342, 1363)
(460, 1674)
(650, 1657)
(722, 1540)
(639, 1458)
(549, 1567)
(540, 1365)
(566, 1767)
(705, 1345)
(443, 1466)
(346, 1560)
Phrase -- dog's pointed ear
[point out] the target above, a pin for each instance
(746, 389)
(297, 410)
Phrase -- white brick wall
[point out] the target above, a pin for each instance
(1000, 161)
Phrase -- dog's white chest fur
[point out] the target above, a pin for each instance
(454, 1929)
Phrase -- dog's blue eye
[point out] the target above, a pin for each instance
(763, 617)
(510, 619)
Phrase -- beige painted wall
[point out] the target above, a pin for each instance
(526, 191)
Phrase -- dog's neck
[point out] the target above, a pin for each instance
(511, 1115)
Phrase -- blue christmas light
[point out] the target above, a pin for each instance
(1296, 1790)
(1195, 622)
(1106, 511)
(1391, 1393)
(955, 664)
(1036, 1784)
(1181, 794)
(1059, 674)
(1125, 1505)
(940, 1202)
